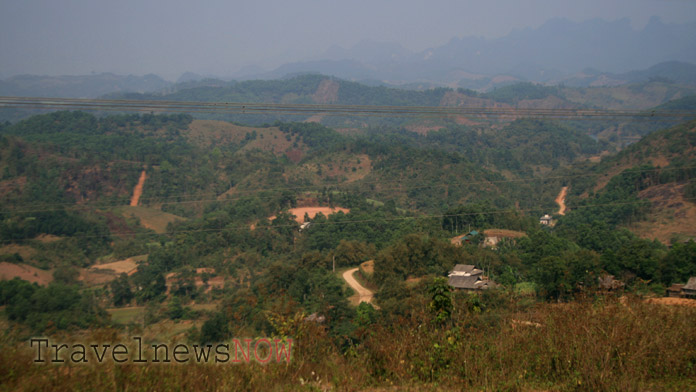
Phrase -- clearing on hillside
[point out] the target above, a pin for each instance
(342, 167)
(312, 212)
(209, 133)
(672, 217)
(9, 271)
(128, 265)
(150, 218)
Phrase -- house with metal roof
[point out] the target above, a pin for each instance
(468, 277)
(546, 220)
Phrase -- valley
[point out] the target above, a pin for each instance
(199, 229)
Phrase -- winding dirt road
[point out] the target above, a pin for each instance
(363, 294)
(560, 200)
(138, 191)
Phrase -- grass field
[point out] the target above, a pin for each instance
(150, 218)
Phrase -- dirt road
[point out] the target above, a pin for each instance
(560, 200)
(363, 294)
(138, 191)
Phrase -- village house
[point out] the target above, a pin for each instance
(546, 220)
(675, 290)
(689, 289)
(468, 277)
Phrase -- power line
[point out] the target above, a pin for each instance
(319, 109)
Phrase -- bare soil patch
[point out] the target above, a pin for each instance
(128, 266)
(47, 238)
(671, 217)
(560, 200)
(138, 191)
(210, 132)
(26, 252)
(504, 233)
(9, 271)
(14, 185)
(327, 92)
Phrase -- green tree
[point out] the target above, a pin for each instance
(121, 290)
(441, 300)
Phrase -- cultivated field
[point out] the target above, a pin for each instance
(150, 218)
(9, 271)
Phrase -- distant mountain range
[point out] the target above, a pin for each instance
(560, 52)
(84, 86)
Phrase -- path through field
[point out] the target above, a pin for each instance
(560, 200)
(364, 294)
(138, 191)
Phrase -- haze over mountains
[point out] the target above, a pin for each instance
(590, 53)
(558, 50)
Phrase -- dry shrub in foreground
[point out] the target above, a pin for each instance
(629, 346)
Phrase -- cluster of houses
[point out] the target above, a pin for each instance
(469, 278)
(687, 290)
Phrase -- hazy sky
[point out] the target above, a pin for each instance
(169, 37)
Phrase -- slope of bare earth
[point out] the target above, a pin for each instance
(24, 251)
(208, 133)
(138, 190)
(327, 92)
(672, 217)
(657, 149)
(12, 186)
(341, 167)
(560, 200)
(9, 271)
(627, 96)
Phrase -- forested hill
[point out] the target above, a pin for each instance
(302, 89)
(321, 89)
(658, 173)
(75, 156)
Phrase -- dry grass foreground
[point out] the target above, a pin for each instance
(585, 346)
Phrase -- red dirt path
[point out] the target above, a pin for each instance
(560, 200)
(138, 191)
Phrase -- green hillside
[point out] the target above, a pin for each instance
(195, 213)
